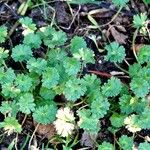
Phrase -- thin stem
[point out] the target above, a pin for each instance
(33, 135)
(5, 65)
(121, 68)
(113, 18)
(22, 66)
(126, 62)
(77, 104)
(16, 141)
(133, 43)
(24, 144)
(24, 119)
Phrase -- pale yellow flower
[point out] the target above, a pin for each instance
(131, 125)
(64, 122)
(63, 128)
(65, 114)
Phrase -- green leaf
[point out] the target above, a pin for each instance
(52, 38)
(23, 82)
(50, 78)
(45, 114)
(32, 40)
(133, 69)
(99, 107)
(129, 104)
(91, 82)
(120, 3)
(147, 1)
(144, 54)
(82, 1)
(139, 20)
(85, 55)
(47, 94)
(28, 25)
(56, 56)
(10, 91)
(88, 122)
(72, 66)
(112, 87)
(144, 146)
(115, 52)
(126, 142)
(21, 53)
(3, 34)
(74, 89)
(140, 87)
(7, 76)
(9, 107)
(77, 43)
(106, 146)
(144, 119)
(117, 120)
(131, 123)
(11, 125)
(3, 55)
(26, 103)
(38, 65)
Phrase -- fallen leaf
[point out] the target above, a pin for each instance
(47, 131)
(88, 140)
(138, 47)
(119, 37)
(121, 28)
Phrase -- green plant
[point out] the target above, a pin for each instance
(120, 2)
(61, 72)
(11, 125)
(106, 146)
(126, 142)
(109, 89)
(147, 1)
(21, 53)
(144, 146)
(139, 20)
(115, 52)
(3, 33)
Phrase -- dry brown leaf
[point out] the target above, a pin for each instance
(88, 140)
(47, 131)
(100, 13)
(121, 28)
(138, 47)
(119, 37)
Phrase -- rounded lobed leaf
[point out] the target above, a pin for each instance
(77, 43)
(3, 34)
(11, 125)
(32, 40)
(140, 87)
(115, 52)
(126, 142)
(50, 78)
(144, 54)
(106, 146)
(38, 65)
(112, 87)
(72, 66)
(23, 82)
(21, 53)
(45, 114)
(74, 89)
(26, 103)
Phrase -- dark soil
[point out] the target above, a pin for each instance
(43, 16)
